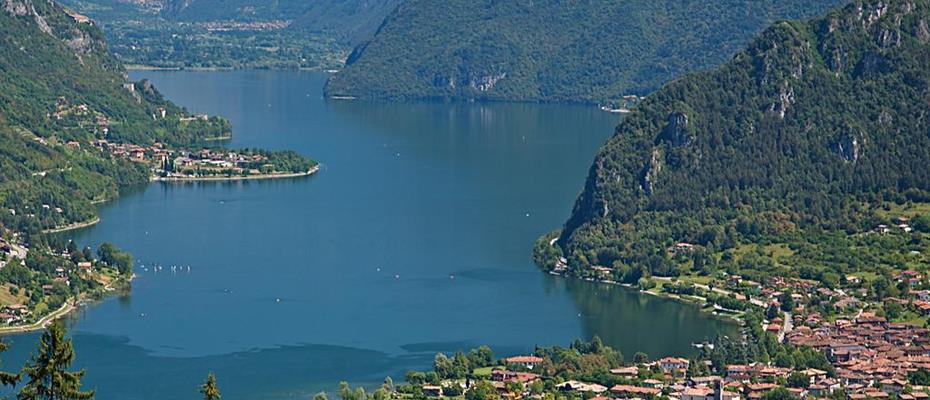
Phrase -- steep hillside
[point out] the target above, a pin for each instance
(552, 50)
(818, 126)
(59, 91)
(352, 20)
(59, 80)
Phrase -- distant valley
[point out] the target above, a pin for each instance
(213, 34)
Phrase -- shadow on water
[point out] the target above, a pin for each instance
(115, 367)
(627, 320)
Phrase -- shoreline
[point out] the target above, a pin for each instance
(43, 323)
(74, 226)
(143, 67)
(693, 300)
(68, 307)
(309, 172)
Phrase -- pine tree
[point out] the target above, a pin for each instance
(47, 372)
(209, 389)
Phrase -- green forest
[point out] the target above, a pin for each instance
(805, 155)
(591, 52)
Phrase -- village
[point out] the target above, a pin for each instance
(869, 358)
(869, 327)
(169, 164)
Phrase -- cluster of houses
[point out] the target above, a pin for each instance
(901, 223)
(873, 359)
(84, 114)
(867, 352)
(231, 26)
(16, 314)
(155, 154)
(182, 163)
(13, 314)
(868, 369)
(11, 251)
(739, 382)
(208, 162)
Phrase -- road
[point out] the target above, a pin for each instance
(786, 326)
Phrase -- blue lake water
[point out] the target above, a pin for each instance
(415, 237)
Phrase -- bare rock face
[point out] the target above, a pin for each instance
(22, 8)
(871, 13)
(849, 147)
(888, 38)
(785, 99)
(486, 83)
(837, 60)
(923, 31)
(650, 177)
(475, 82)
(677, 130)
(79, 40)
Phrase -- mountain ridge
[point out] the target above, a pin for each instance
(814, 124)
(590, 52)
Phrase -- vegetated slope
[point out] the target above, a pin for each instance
(552, 50)
(58, 84)
(814, 126)
(352, 20)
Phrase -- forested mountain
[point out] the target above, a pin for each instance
(814, 126)
(236, 33)
(551, 50)
(59, 91)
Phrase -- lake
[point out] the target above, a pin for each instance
(415, 237)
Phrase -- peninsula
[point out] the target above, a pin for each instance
(168, 164)
(76, 131)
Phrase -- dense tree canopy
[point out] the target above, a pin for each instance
(551, 50)
(806, 135)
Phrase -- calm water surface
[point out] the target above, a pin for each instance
(415, 237)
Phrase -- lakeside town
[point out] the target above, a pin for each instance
(174, 163)
(865, 357)
(839, 331)
(168, 164)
